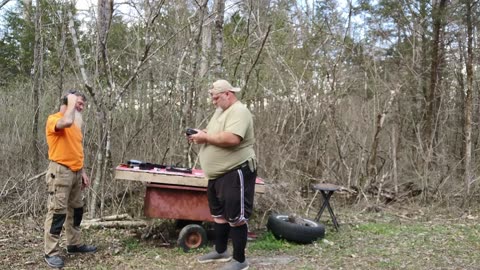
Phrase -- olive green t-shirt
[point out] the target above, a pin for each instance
(216, 160)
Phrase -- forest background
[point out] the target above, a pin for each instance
(380, 97)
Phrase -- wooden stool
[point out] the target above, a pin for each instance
(327, 191)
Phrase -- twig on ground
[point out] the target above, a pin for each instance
(36, 176)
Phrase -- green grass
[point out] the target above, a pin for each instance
(377, 245)
(372, 242)
(131, 244)
(268, 242)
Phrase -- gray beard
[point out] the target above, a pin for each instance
(78, 121)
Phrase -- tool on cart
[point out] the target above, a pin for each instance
(150, 166)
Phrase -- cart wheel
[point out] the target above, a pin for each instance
(192, 236)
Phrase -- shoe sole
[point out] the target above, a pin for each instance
(53, 266)
(216, 260)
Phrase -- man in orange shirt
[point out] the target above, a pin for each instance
(65, 179)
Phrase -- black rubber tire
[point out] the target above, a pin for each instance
(299, 233)
(192, 236)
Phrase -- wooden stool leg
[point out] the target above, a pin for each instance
(326, 204)
(332, 215)
(326, 197)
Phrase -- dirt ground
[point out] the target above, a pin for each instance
(368, 239)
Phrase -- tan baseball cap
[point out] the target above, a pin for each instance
(221, 86)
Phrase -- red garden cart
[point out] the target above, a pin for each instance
(176, 193)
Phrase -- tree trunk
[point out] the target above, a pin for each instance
(372, 170)
(27, 9)
(37, 85)
(219, 14)
(394, 158)
(81, 64)
(107, 163)
(104, 17)
(432, 96)
(190, 96)
(206, 49)
(62, 50)
(97, 182)
(469, 100)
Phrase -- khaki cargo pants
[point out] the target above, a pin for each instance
(65, 207)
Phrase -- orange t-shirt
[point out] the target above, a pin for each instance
(64, 145)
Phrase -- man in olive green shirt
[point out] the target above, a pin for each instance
(228, 161)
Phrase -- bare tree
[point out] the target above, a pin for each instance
(190, 95)
(432, 97)
(106, 100)
(469, 99)
(321, 91)
(37, 74)
(27, 9)
(219, 12)
(371, 162)
(3, 3)
(102, 74)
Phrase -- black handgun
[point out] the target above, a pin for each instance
(190, 131)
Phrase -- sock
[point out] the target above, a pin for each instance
(239, 240)
(221, 232)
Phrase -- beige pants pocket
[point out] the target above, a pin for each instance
(58, 188)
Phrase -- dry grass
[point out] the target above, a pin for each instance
(388, 239)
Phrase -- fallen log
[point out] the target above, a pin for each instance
(115, 224)
(111, 218)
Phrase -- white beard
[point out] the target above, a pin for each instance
(78, 121)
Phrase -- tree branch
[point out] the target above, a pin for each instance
(3, 3)
(258, 55)
(73, 32)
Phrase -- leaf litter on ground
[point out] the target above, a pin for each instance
(393, 238)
